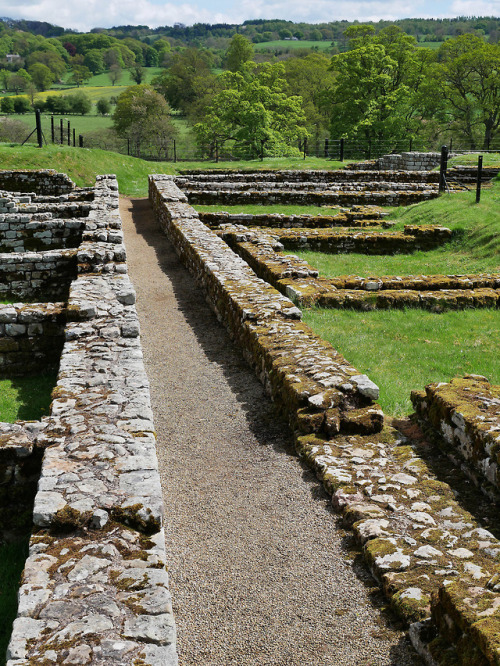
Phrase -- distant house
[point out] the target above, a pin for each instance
(10, 57)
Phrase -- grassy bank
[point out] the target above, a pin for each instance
(25, 398)
(405, 350)
(83, 164)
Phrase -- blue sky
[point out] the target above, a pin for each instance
(95, 13)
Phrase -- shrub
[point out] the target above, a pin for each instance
(103, 107)
(22, 105)
(7, 105)
(12, 130)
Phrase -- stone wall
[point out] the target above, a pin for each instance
(434, 561)
(20, 463)
(409, 162)
(346, 175)
(31, 338)
(315, 388)
(358, 216)
(466, 414)
(29, 276)
(45, 181)
(19, 233)
(95, 586)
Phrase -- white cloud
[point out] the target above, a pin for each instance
(94, 13)
(475, 8)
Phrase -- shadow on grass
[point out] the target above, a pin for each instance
(12, 558)
(27, 398)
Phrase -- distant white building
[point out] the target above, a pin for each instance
(10, 57)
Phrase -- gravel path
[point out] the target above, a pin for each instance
(259, 572)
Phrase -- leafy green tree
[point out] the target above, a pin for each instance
(50, 59)
(178, 83)
(22, 105)
(80, 103)
(80, 74)
(41, 76)
(19, 80)
(468, 73)
(103, 106)
(377, 84)
(7, 105)
(143, 115)
(137, 72)
(115, 74)
(239, 52)
(94, 60)
(254, 112)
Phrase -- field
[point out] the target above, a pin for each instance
(284, 44)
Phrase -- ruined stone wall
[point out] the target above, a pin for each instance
(464, 414)
(20, 233)
(95, 586)
(45, 181)
(315, 388)
(28, 276)
(346, 175)
(31, 338)
(20, 463)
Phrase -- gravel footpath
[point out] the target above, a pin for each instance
(259, 572)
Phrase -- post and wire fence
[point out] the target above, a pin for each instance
(185, 149)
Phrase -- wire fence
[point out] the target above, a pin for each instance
(185, 149)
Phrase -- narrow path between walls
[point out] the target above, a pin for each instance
(259, 573)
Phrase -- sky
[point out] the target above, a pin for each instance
(89, 14)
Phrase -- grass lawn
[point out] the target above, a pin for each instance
(25, 398)
(12, 558)
(405, 350)
(83, 164)
(284, 44)
(82, 124)
(272, 209)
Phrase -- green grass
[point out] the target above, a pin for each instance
(284, 44)
(470, 159)
(83, 164)
(405, 350)
(272, 209)
(12, 558)
(25, 398)
(82, 124)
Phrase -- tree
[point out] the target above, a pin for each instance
(254, 112)
(468, 71)
(7, 105)
(50, 59)
(80, 74)
(94, 60)
(21, 105)
(103, 106)
(41, 76)
(79, 103)
(143, 115)
(177, 84)
(19, 80)
(115, 74)
(137, 72)
(240, 50)
(377, 84)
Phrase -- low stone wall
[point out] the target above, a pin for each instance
(466, 414)
(20, 464)
(28, 276)
(31, 338)
(95, 586)
(423, 547)
(19, 233)
(45, 181)
(313, 386)
(321, 198)
(346, 175)
(359, 216)
(409, 162)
